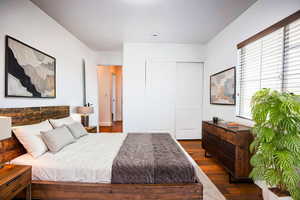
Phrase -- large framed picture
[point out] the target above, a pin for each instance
(28, 71)
(223, 87)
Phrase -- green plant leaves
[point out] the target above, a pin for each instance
(276, 144)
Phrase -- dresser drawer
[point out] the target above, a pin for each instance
(15, 185)
(213, 130)
(230, 137)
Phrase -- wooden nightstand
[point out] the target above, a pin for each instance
(91, 129)
(14, 179)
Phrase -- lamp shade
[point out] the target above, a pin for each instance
(85, 110)
(5, 128)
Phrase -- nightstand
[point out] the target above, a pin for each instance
(14, 179)
(91, 129)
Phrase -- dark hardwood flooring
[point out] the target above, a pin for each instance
(217, 174)
(117, 127)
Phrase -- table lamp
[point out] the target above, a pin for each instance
(5, 130)
(85, 111)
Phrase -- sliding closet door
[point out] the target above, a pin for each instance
(160, 96)
(189, 80)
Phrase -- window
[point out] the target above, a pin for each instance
(270, 61)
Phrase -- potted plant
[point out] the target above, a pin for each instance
(276, 144)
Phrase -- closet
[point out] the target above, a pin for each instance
(173, 98)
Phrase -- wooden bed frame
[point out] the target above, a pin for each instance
(48, 190)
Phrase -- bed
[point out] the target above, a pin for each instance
(53, 178)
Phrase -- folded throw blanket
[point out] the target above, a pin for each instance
(151, 159)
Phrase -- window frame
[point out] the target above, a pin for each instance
(281, 24)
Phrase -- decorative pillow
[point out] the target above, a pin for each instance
(30, 137)
(56, 123)
(77, 130)
(58, 138)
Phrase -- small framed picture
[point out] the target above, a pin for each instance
(223, 87)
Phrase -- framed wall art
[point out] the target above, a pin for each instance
(223, 87)
(28, 72)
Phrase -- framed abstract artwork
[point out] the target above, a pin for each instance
(28, 71)
(223, 87)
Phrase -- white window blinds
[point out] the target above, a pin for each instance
(272, 61)
(291, 67)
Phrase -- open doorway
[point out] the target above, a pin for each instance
(110, 98)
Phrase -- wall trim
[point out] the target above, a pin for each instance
(105, 123)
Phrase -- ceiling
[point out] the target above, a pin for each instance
(104, 25)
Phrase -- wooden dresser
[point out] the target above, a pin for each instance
(229, 146)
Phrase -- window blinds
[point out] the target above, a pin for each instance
(291, 67)
(272, 61)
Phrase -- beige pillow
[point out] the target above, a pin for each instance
(56, 123)
(58, 138)
(77, 130)
(30, 137)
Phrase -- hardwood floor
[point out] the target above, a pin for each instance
(117, 127)
(219, 176)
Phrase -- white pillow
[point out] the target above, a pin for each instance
(56, 123)
(30, 137)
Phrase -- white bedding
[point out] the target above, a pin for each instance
(89, 159)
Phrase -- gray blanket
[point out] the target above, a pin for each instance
(151, 159)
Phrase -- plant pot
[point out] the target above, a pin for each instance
(274, 194)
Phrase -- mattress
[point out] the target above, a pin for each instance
(88, 160)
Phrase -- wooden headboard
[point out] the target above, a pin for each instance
(11, 148)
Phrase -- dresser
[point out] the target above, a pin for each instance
(230, 147)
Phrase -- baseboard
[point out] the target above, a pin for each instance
(105, 123)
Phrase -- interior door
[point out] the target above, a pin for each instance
(189, 80)
(160, 96)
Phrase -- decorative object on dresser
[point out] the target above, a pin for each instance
(215, 120)
(229, 146)
(28, 71)
(85, 111)
(91, 129)
(13, 180)
(222, 87)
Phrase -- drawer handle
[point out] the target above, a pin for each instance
(13, 180)
(16, 189)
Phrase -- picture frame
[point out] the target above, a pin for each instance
(29, 72)
(223, 87)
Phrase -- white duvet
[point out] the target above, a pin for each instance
(89, 159)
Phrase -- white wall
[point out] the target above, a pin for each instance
(26, 22)
(222, 51)
(109, 57)
(134, 58)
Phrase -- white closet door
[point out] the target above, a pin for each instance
(160, 96)
(189, 100)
